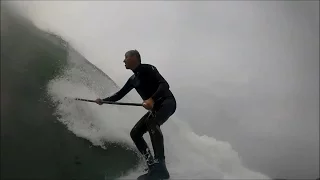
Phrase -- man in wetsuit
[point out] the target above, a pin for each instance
(159, 100)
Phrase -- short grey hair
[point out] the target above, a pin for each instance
(134, 53)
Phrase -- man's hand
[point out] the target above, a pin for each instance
(99, 101)
(148, 104)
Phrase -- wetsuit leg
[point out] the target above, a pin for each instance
(160, 116)
(137, 133)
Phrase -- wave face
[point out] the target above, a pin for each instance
(36, 141)
(44, 135)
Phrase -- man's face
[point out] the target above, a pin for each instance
(130, 61)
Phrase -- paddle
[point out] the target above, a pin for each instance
(109, 102)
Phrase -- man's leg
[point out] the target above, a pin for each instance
(137, 133)
(166, 109)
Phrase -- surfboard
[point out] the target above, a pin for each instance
(144, 177)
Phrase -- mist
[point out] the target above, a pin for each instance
(244, 72)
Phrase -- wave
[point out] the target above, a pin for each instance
(89, 141)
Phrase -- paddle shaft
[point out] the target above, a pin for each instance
(109, 102)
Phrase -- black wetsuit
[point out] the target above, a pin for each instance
(149, 83)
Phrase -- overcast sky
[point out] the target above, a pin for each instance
(242, 71)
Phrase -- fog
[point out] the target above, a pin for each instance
(242, 71)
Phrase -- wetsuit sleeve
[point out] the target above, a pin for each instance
(121, 93)
(163, 84)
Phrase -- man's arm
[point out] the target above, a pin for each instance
(163, 84)
(121, 93)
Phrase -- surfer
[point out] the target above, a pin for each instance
(160, 103)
